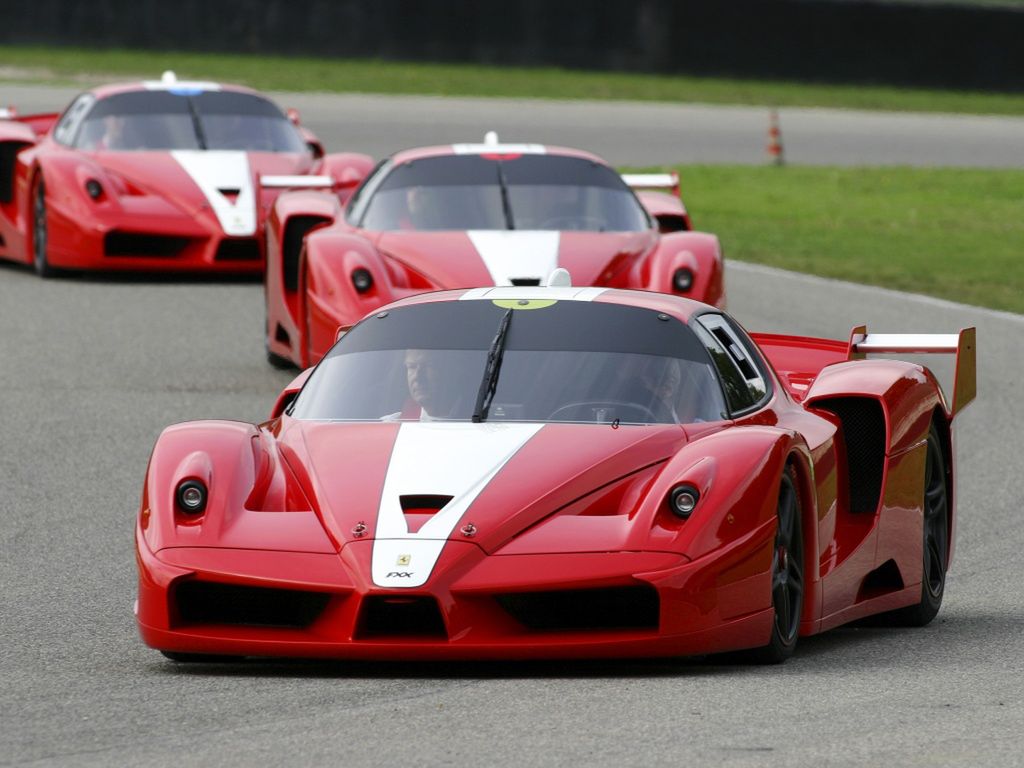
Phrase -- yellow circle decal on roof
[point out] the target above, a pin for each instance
(524, 303)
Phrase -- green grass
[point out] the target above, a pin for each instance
(955, 234)
(66, 65)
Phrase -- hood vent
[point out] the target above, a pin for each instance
(418, 508)
(525, 280)
(230, 194)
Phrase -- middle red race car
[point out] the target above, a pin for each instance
(470, 215)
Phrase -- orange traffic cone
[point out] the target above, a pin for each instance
(774, 148)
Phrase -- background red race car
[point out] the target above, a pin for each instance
(162, 175)
(550, 472)
(470, 215)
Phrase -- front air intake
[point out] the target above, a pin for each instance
(136, 244)
(400, 616)
(241, 249)
(202, 602)
(613, 608)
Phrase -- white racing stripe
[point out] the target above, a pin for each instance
(570, 293)
(514, 253)
(436, 459)
(214, 171)
(499, 149)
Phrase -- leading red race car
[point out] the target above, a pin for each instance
(467, 215)
(540, 472)
(161, 175)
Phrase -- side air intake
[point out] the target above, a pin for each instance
(863, 428)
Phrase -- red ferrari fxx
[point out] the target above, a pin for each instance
(164, 175)
(531, 472)
(468, 215)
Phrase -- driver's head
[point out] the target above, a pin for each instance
(425, 377)
(660, 376)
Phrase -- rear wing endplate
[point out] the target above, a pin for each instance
(297, 182)
(659, 181)
(962, 344)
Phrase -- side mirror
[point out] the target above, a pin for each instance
(289, 393)
(293, 116)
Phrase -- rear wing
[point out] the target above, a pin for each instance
(297, 182)
(664, 182)
(962, 344)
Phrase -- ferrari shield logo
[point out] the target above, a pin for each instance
(403, 560)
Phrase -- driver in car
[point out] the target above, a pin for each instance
(432, 391)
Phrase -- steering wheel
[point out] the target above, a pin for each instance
(590, 410)
(573, 222)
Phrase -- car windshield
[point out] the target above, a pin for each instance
(561, 361)
(188, 119)
(482, 192)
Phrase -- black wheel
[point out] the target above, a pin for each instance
(200, 658)
(787, 576)
(935, 540)
(40, 235)
(275, 360)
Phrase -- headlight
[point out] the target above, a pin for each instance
(682, 280)
(683, 500)
(191, 497)
(362, 280)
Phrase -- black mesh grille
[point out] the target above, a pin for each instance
(585, 609)
(200, 602)
(864, 435)
(400, 616)
(135, 244)
(242, 249)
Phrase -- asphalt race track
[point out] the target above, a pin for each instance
(91, 369)
(637, 134)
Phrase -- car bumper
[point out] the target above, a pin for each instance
(694, 610)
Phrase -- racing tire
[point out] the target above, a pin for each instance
(787, 576)
(935, 543)
(40, 234)
(277, 361)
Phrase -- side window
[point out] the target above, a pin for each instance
(742, 379)
(358, 202)
(67, 125)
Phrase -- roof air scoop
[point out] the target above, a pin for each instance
(559, 278)
(491, 139)
(168, 77)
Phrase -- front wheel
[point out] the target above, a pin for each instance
(787, 576)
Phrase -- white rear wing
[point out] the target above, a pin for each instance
(297, 182)
(659, 181)
(962, 344)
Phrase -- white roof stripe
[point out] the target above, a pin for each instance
(499, 149)
(573, 293)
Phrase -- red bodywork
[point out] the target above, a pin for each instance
(151, 214)
(580, 510)
(312, 252)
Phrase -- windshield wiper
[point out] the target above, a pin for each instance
(197, 126)
(491, 370)
(506, 204)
